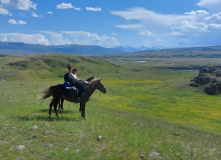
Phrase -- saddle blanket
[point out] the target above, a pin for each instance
(71, 91)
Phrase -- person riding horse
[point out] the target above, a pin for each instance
(73, 80)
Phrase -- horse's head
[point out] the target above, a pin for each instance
(100, 86)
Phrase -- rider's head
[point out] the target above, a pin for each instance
(69, 68)
(74, 70)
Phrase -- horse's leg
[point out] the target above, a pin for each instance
(61, 105)
(83, 110)
(50, 106)
(80, 109)
(55, 108)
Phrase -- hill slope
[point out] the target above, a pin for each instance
(51, 66)
(194, 52)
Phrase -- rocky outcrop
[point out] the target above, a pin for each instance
(209, 79)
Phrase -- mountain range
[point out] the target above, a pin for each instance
(17, 48)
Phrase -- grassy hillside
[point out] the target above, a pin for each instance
(51, 66)
(150, 115)
(195, 52)
(148, 112)
(175, 59)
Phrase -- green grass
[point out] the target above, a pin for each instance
(144, 110)
(47, 66)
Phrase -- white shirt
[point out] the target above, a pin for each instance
(76, 79)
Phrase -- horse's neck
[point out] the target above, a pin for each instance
(91, 89)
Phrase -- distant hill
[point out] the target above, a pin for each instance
(42, 66)
(16, 48)
(192, 52)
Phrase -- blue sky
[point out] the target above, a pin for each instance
(112, 23)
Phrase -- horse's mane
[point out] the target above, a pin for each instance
(90, 79)
(95, 79)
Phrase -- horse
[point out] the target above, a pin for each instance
(57, 92)
(60, 104)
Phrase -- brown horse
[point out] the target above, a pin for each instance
(57, 92)
(60, 104)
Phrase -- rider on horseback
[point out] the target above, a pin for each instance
(72, 78)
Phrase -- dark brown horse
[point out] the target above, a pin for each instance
(57, 92)
(60, 104)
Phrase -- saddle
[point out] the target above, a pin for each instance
(71, 91)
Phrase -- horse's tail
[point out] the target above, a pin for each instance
(46, 93)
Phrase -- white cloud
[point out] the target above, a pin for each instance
(86, 38)
(61, 38)
(77, 9)
(12, 21)
(3, 38)
(4, 11)
(199, 12)
(194, 21)
(215, 17)
(158, 23)
(129, 26)
(198, 27)
(147, 33)
(214, 26)
(25, 38)
(81, 38)
(93, 9)
(21, 22)
(212, 5)
(19, 4)
(56, 38)
(191, 25)
(176, 34)
(179, 29)
(65, 6)
(35, 15)
(150, 17)
(50, 12)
